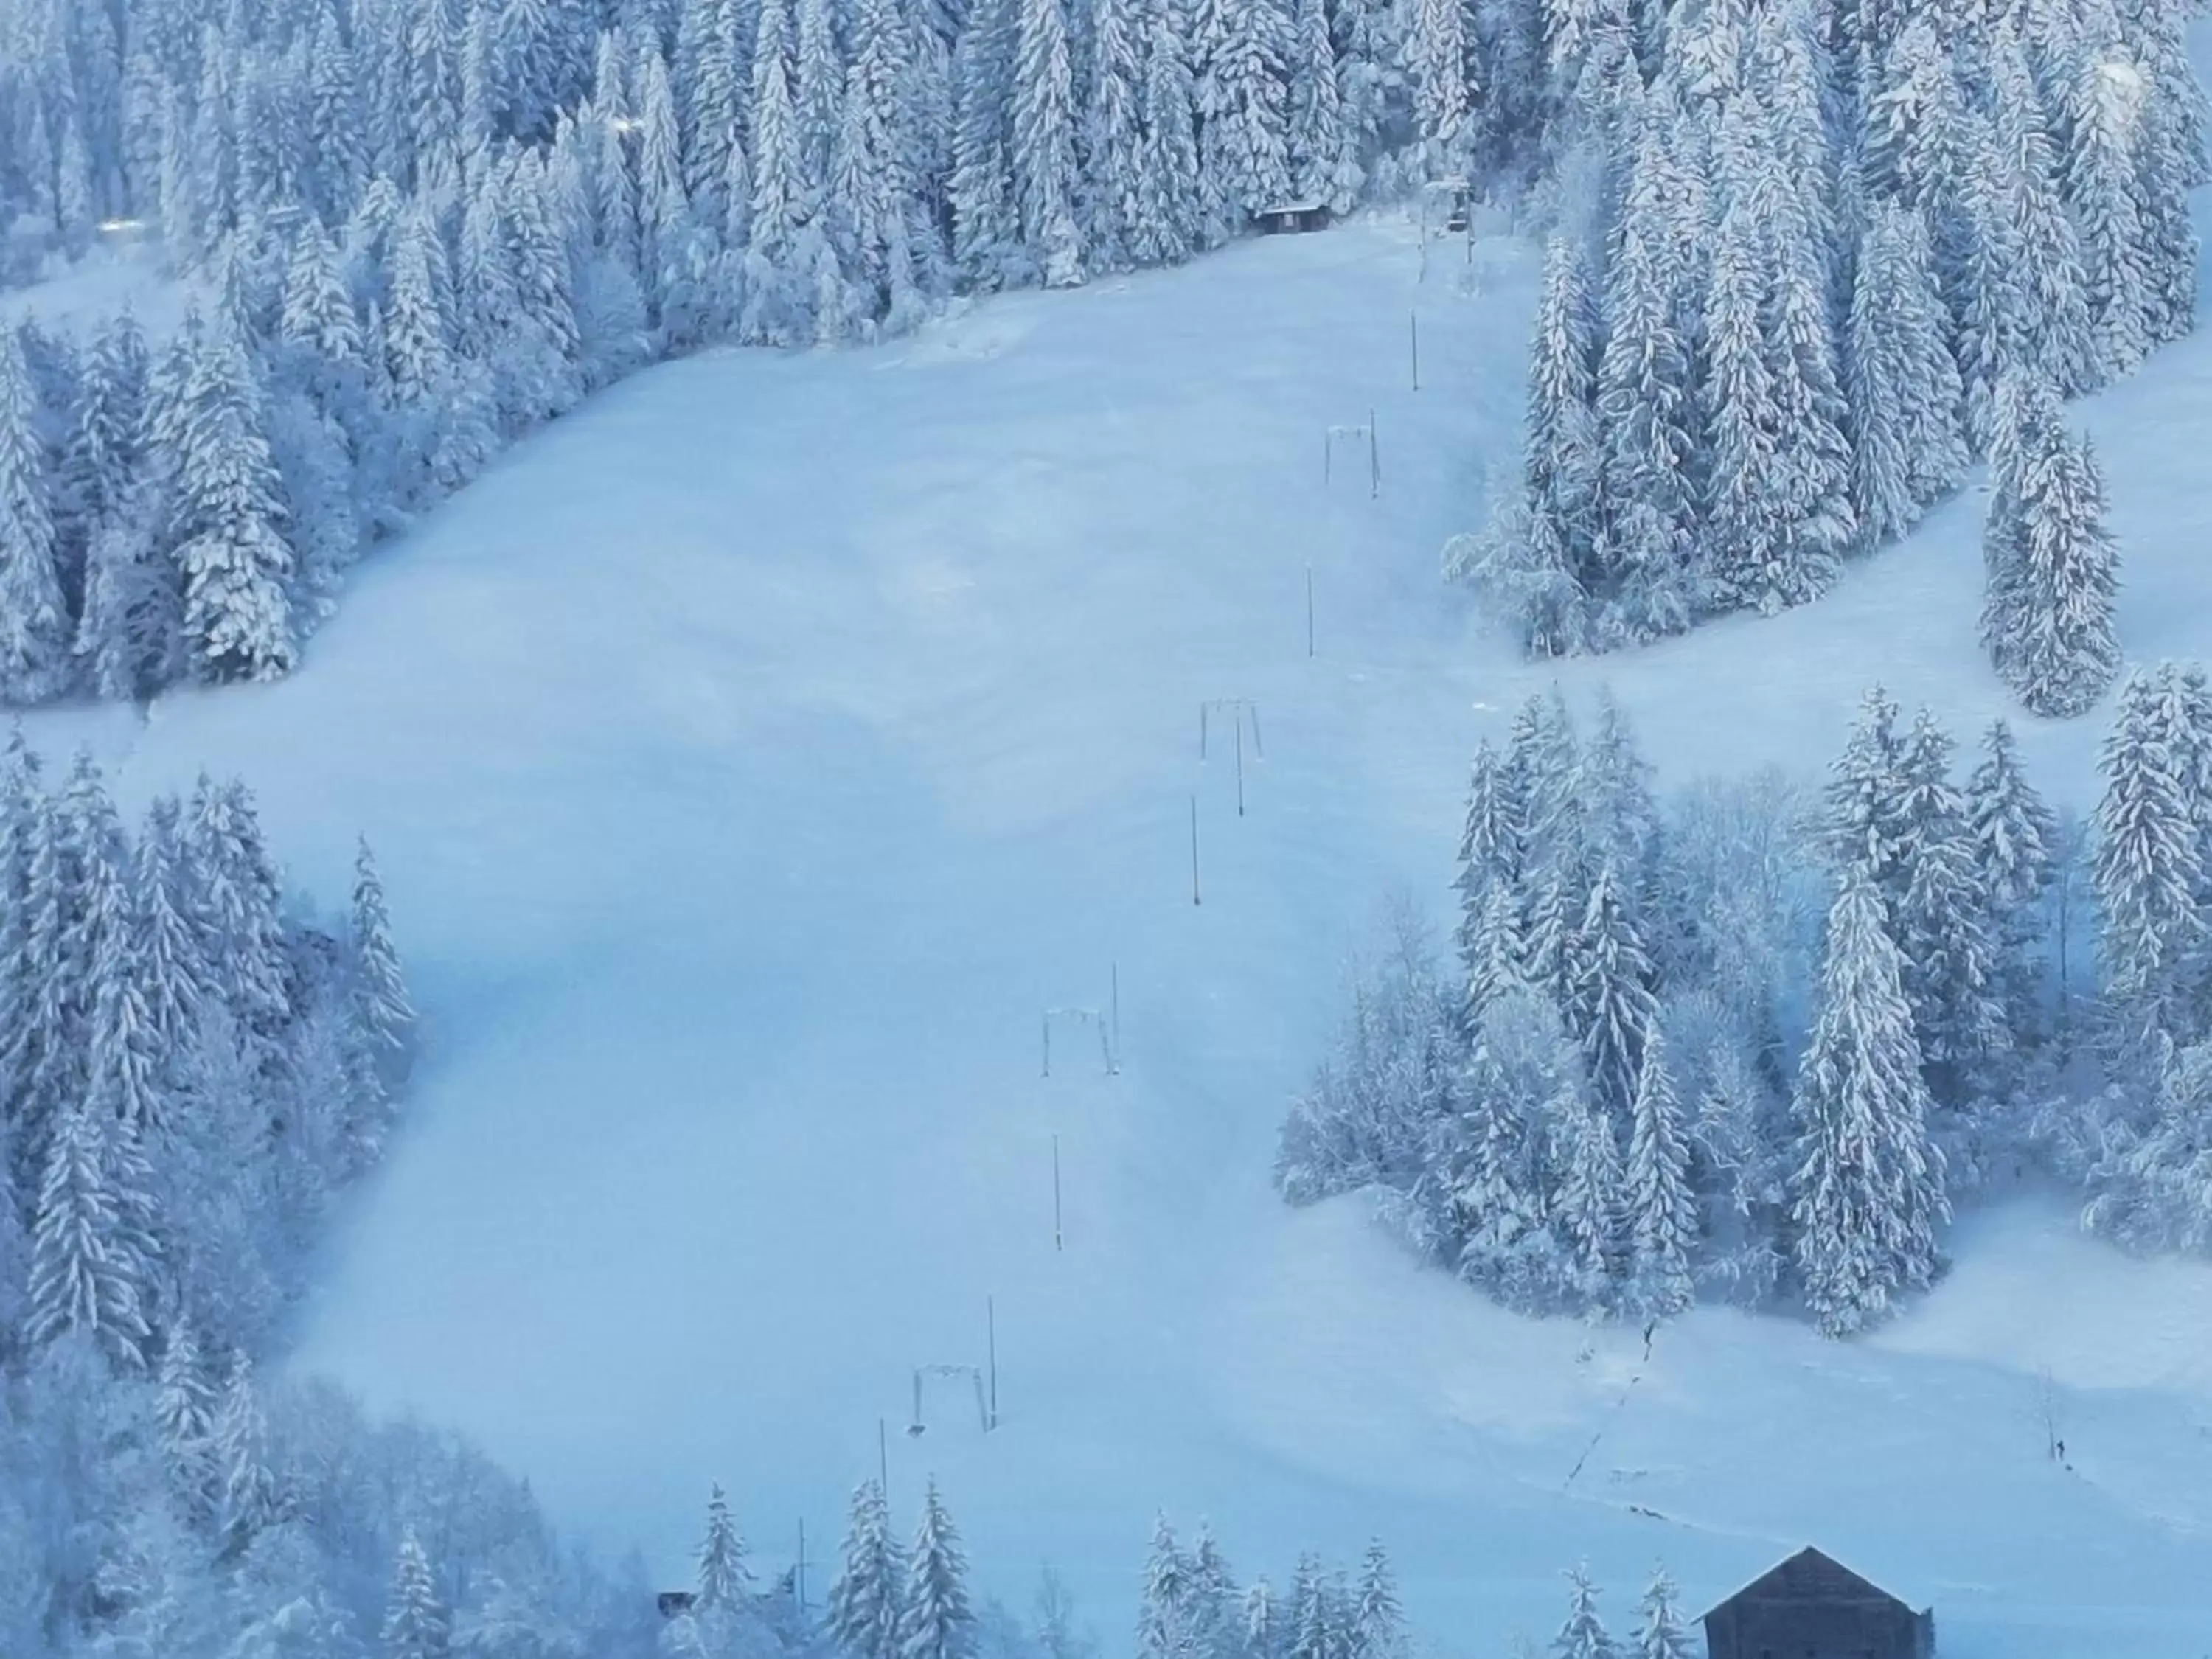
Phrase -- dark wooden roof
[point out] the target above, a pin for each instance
(1809, 1576)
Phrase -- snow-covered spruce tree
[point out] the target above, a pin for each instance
(2053, 572)
(1866, 1195)
(89, 1276)
(1435, 58)
(33, 624)
(2103, 117)
(1113, 146)
(2016, 844)
(1742, 543)
(988, 252)
(2149, 870)
(1866, 828)
(1663, 1635)
(1583, 1635)
(184, 1415)
(1490, 846)
(1044, 148)
(935, 1621)
(229, 519)
(1164, 1619)
(381, 1009)
(1610, 1005)
(416, 1624)
(1908, 444)
(245, 1487)
(724, 1579)
(1324, 166)
(1943, 926)
(1661, 1211)
(1563, 463)
(868, 1599)
(1645, 395)
(1586, 1208)
(1211, 1599)
(1378, 1625)
(1170, 203)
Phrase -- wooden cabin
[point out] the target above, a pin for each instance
(1812, 1607)
(1292, 217)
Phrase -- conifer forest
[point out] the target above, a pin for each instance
(633, 1026)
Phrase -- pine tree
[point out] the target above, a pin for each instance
(230, 517)
(986, 242)
(105, 451)
(1584, 1634)
(1743, 417)
(1866, 1195)
(1490, 846)
(1211, 1600)
(2015, 838)
(1563, 464)
(1378, 1628)
(865, 1615)
(1323, 163)
(1610, 1005)
(1942, 923)
(1586, 1207)
(1644, 395)
(1908, 444)
(2149, 870)
(1436, 57)
(2053, 574)
(1164, 1618)
(1043, 148)
(724, 1579)
(381, 1009)
(2102, 186)
(416, 1623)
(1245, 142)
(246, 1494)
(1170, 206)
(184, 1413)
(1866, 828)
(1113, 146)
(34, 625)
(1662, 1212)
(87, 1274)
(774, 313)
(935, 1621)
(1663, 1636)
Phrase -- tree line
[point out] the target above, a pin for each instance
(428, 225)
(1756, 1044)
(1802, 250)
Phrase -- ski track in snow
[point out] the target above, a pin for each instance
(754, 755)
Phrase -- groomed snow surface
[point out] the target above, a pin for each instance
(754, 756)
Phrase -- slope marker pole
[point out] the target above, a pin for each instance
(1194, 898)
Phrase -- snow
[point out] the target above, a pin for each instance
(121, 268)
(754, 755)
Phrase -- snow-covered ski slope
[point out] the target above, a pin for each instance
(754, 756)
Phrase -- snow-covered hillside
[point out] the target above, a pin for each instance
(755, 755)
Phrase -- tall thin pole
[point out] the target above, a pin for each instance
(1309, 619)
(1115, 969)
(991, 1340)
(1057, 1236)
(1194, 850)
(1413, 327)
(1240, 766)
